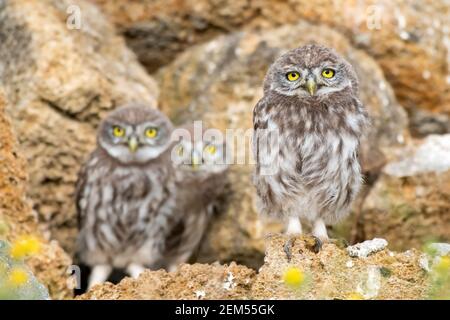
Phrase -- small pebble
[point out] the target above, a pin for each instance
(363, 249)
(200, 294)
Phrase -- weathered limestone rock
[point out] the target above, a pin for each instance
(220, 82)
(333, 274)
(410, 204)
(18, 219)
(60, 81)
(409, 39)
(197, 281)
(329, 274)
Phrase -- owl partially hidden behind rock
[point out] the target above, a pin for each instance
(201, 177)
(137, 207)
(307, 131)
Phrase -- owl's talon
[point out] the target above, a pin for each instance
(288, 248)
(313, 243)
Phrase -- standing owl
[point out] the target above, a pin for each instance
(201, 169)
(125, 193)
(307, 130)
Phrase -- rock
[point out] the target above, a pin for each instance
(189, 282)
(17, 217)
(409, 204)
(60, 80)
(432, 155)
(220, 82)
(327, 275)
(409, 39)
(322, 275)
(363, 249)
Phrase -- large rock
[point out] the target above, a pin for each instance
(333, 274)
(410, 39)
(189, 282)
(17, 218)
(220, 82)
(329, 274)
(60, 81)
(410, 203)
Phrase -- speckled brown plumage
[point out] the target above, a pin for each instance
(199, 190)
(307, 132)
(126, 192)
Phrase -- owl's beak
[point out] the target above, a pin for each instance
(133, 144)
(311, 85)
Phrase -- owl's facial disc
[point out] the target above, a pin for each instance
(134, 143)
(310, 81)
(200, 156)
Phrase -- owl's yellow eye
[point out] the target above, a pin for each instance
(118, 131)
(211, 149)
(293, 75)
(151, 132)
(328, 73)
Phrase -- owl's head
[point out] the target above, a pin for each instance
(311, 71)
(199, 152)
(135, 134)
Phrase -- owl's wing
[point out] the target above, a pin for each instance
(175, 236)
(258, 124)
(81, 183)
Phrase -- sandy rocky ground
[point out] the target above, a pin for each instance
(206, 59)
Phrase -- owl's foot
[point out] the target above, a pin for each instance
(312, 243)
(99, 274)
(134, 270)
(294, 228)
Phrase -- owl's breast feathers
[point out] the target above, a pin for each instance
(119, 206)
(316, 163)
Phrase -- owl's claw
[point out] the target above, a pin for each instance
(288, 247)
(313, 243)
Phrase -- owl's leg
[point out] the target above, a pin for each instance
(173, 266)
(320, 230)
(294, 226)
(134, 270)
(99, 274)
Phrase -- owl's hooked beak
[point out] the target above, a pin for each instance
(133, 144)
(311, 85)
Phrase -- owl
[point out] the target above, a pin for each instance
(126, 193)
(307, 131)
(201, 167)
